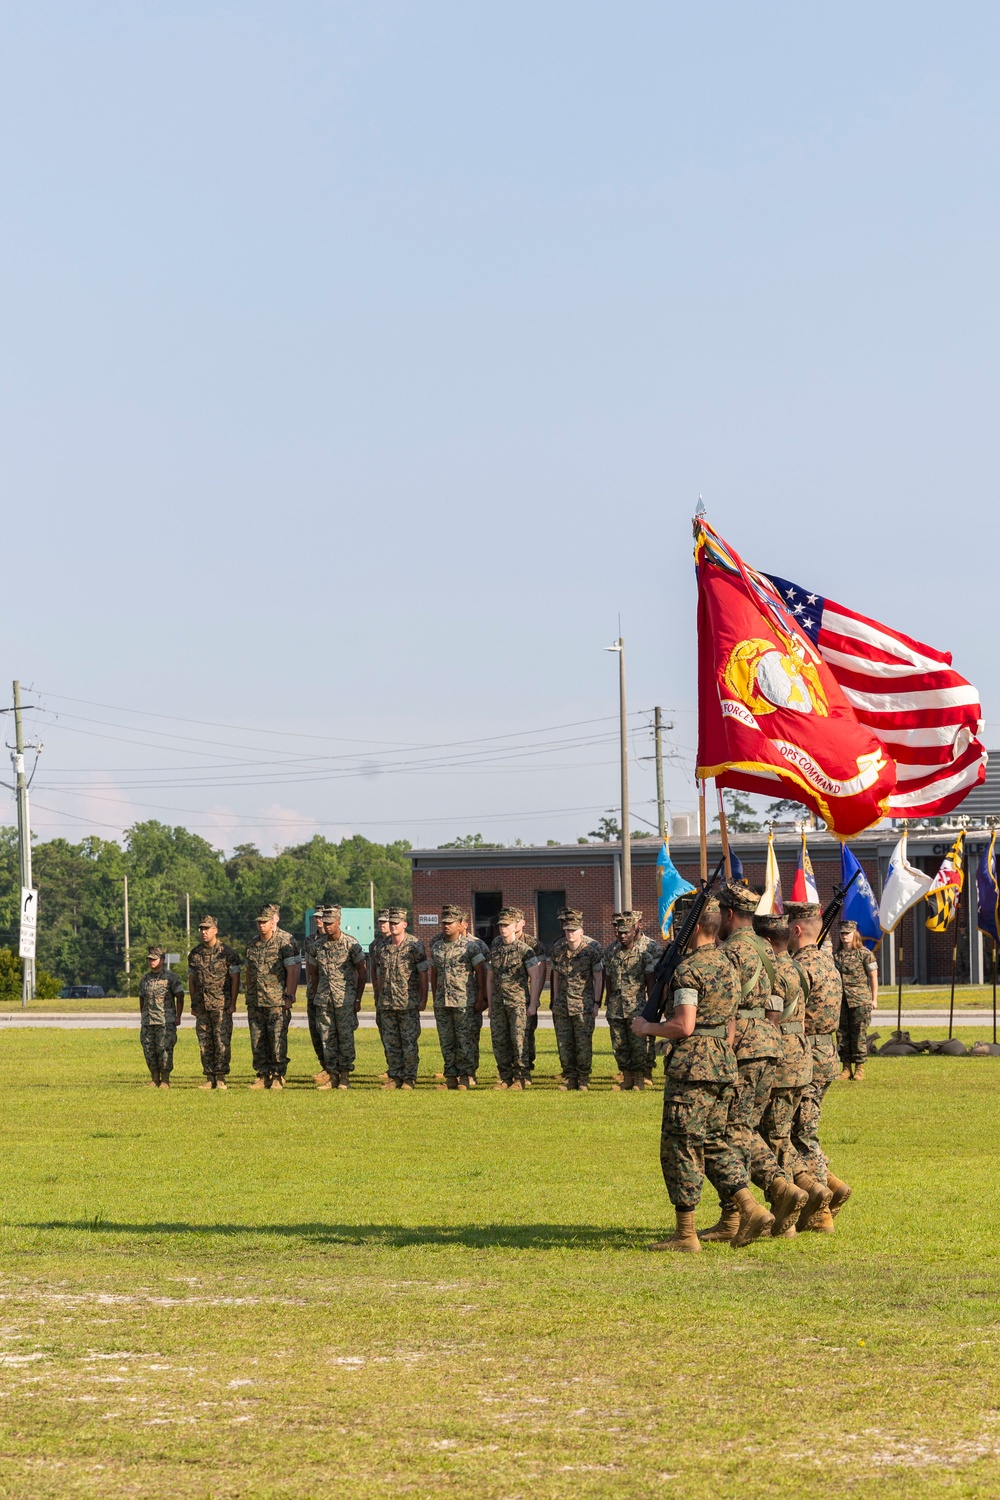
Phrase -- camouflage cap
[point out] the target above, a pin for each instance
(383, 915)
(397, 914)
(736, 895)
(331, 912)
(508, 914)
(848, 926)
(773, 922)
(155, 952)
(208, 922)
(797, 911)
(450, 913)
(571, 916)
(267, 912)
(626, 920)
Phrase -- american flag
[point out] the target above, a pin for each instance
(927, 716)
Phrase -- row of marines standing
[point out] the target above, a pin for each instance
(752, 1049)
(469, 979)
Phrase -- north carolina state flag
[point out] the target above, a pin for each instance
(771, 717)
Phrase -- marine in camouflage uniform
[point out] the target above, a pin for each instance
(381, 936)
(824, 997)
(858, 968)
(458, 977)
(309, 948)
(577, 985)
(161, 1001)
(778, 1169)
(339, 968)
(402, 995)
(628, 963)
(272, 975)
(513, 981)
(758, 1041)
(699, 1091)
(213, 983)
(538, 949)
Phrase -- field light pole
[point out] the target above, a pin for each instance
(619, 646)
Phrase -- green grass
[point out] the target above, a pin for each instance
(305, 1294)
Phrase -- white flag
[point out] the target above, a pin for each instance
(904, 887)
(771, 904)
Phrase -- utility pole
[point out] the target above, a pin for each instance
(128, 956)
(187, 917)
(619, 646)
(660, 813)
(23, 838)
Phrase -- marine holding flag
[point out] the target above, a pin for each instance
(772, 717)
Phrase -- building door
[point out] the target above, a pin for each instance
(548, 905)
(485, 906)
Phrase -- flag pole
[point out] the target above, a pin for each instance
(994, 990)
(724, 830)
(954, 966)
(899, 983)
(702, 832)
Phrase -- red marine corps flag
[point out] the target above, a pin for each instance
(771, 715)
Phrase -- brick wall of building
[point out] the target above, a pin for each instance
(590, 888)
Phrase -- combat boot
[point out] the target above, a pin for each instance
(859, 1072)
(647, 1081)
(626, 1081)
(501, 1085)
(818, 1200)
(449, 1083)
(277, 1082)
(406, 1086)
(344, 1081)
(472, 1081)
(755, 1219)
(220, 1083)
(390, 1083)
(583, 1088)
(329, 1084)
(164, 1080)
(683, 1238)
(208, 1084)
(787, 1202)
(321, 1077)
(154, 1078)
(259, 1083)
(725, 1230)
(841, 1192)
(620, 1078)
(517, 1084)
(845, 1075)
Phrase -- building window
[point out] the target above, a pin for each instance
(485, 907)
(548, 905)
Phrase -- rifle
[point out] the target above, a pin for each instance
(832, 912)
(673, 953)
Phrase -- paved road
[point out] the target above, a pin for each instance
(883, 1021)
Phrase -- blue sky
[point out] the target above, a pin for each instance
(362, 362)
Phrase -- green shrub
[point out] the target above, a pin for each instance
(47, 987)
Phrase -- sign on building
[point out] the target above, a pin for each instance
(427, 919)
(29, 922)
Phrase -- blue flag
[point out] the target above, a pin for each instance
(988, 889)
(670, 884)
(859, 904)
(735, 864)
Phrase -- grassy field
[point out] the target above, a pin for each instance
(304, 1294)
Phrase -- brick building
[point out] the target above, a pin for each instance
(540, 880)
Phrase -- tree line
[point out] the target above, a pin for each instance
(81, 919)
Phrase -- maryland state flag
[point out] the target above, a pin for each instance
(946, 888)
(771, 717)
